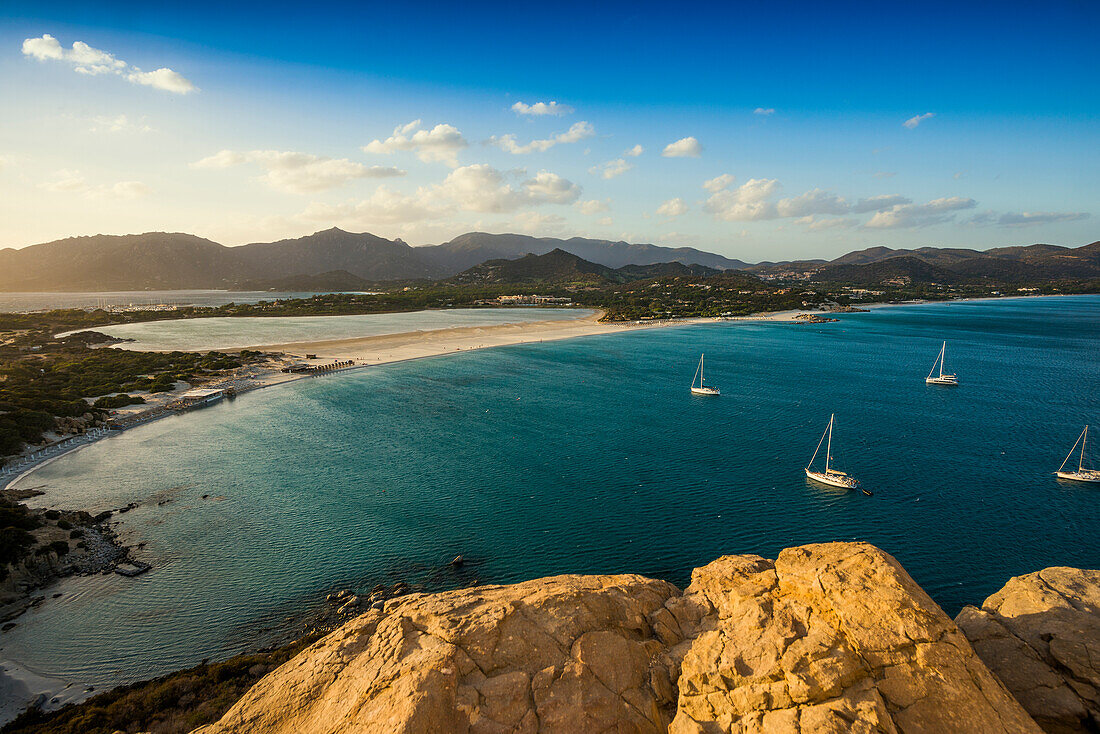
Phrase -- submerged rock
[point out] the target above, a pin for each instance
(827, 638)
(1041, 635)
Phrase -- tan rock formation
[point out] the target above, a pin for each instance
(827, 638)
(830, 637)
(1041, 635)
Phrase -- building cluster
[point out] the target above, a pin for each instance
(534, 300)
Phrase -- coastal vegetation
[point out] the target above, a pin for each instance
(16, 524)
(44, 379)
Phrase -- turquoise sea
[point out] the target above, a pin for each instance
(587, 456)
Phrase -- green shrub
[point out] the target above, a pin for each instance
(108, 402)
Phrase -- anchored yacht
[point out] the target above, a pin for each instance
(702, 389)
(830, 476)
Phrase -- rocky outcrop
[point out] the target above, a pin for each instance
(831, 637)
(1041, 635)
(826, 638)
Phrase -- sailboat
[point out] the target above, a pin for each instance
(1082, 474)
(831, 477)
(943, 378)
(702, 389)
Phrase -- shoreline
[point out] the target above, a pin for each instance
(588, 325)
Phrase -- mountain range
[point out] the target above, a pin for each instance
(335, 259)
(163, 260)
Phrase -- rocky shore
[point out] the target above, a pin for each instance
(61, 544)
(826, 638)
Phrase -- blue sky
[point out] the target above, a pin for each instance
(786, 121)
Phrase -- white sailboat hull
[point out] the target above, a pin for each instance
(1085, 475)
(705, 391)
(942, 380)
(833, 479)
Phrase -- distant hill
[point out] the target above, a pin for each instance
(1009, 265)
(154, 260)
(559, 266)
(874, 273)
(363, 255)
(556, 266)
(473, 248)
(934, 255)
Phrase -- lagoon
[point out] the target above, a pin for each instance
(228, 332)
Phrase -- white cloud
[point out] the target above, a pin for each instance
(912, 122)
(634, 152)
(879, 203)
(65, 180)
(718, 183)
(297, 173)
(68, 181)
(482, 188)
(442, 143)
(384, 206)
(766, 111)
(605, 221)
(611, 169)
(673, 208)
(92, 61)
(1026, 219)
(122, 190)
(577, 131)
(119, 124)
(683, 148)
(906, 216)
(812, 202)
(884, 174)
(821, 224)
(592, 206)
(163, 78)
(748, 202)
(539, 109)
(538, 223)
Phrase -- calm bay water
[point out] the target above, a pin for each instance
(242, 331)
(587, 456)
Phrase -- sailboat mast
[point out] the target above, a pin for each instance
(943, 351)
(702, 379)
(1084, 440)
(829, 447)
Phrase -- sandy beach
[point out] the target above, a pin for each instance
(373, 350)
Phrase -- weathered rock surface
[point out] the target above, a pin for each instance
(827, 638)
(1041, 635)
